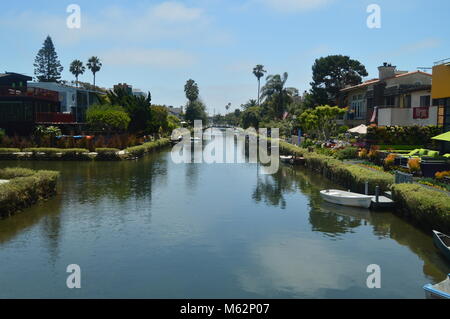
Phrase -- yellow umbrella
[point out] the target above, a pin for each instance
(443, 137)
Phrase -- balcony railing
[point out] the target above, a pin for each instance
(7, 91)
(55, 118)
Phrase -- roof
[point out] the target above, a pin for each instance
(16, 75)
(375, 81)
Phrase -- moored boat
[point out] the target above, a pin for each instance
(346, 198)
(438, 291)
(442, 242)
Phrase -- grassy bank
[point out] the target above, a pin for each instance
(24, 188)
(81, 154)
(428, 209)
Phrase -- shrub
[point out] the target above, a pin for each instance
(25, 187)
(9, 150)
(138, 151)
(442, 175)
(346, 153)
(363, 153)
(414, 165)
(429, 208)
(389, 161)
(2, 134)
(107, 154)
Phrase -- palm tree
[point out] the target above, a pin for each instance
(259, 71)
(77, 68)
(279, 96)
(94, 65)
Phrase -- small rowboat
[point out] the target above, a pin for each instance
(442, 242)
(346, 198)
(286, 159)
(438, 291)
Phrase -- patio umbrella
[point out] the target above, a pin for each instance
(443, 137)
(362, 129)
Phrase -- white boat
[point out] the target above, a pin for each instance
(286, 159)
(346, 198)
(438, 291)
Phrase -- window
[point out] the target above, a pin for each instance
(408, 103)
(390, 100)
(425, 100)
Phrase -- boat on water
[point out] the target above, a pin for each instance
(438, 291)
(442, 242)
(339, 197)
(286, 159)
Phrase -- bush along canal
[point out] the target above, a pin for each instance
(152, 228)
(81, 154)
(20, 188)
(426, 208)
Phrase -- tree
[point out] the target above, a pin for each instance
(77, 68)
(159, 121)
(321, 120)
(333, 73)
(107, 117)
(137, 107)
(227, 107)
(94, 64)
(251, 117)
(259, 72)
(47, 67)
(191, 90)
(277, 96)
(249, 104)
(195, 110)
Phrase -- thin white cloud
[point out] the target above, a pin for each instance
(148, 58)
(295, 5)
(176, 12)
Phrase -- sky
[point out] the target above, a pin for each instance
(157, 46)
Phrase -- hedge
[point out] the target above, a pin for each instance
(107, 154)
(25, 187)
(429, 208)
(138, 151)
(350, 176)
(43, 153)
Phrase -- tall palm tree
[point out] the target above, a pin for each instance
(94, 65)
(77, 68)
(279, 95)
(259, 71)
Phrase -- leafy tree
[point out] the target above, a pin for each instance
(77, 68)
(250, 103)
(191, 90)
(333, 73)
(108, 118)
(195, 110)
(251, 117)
(158, 121)
(47, 67)
(173, 122)
(321, 120)
(259, 72)
(137, 107)
(94, 64)
(277, 96)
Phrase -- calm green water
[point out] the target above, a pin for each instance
(154, 229)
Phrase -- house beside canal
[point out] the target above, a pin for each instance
(395, 98)
(441, 95)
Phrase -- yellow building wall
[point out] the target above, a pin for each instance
(441, 82)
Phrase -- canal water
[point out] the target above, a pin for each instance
(155, 229)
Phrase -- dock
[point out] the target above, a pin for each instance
(382, 203)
